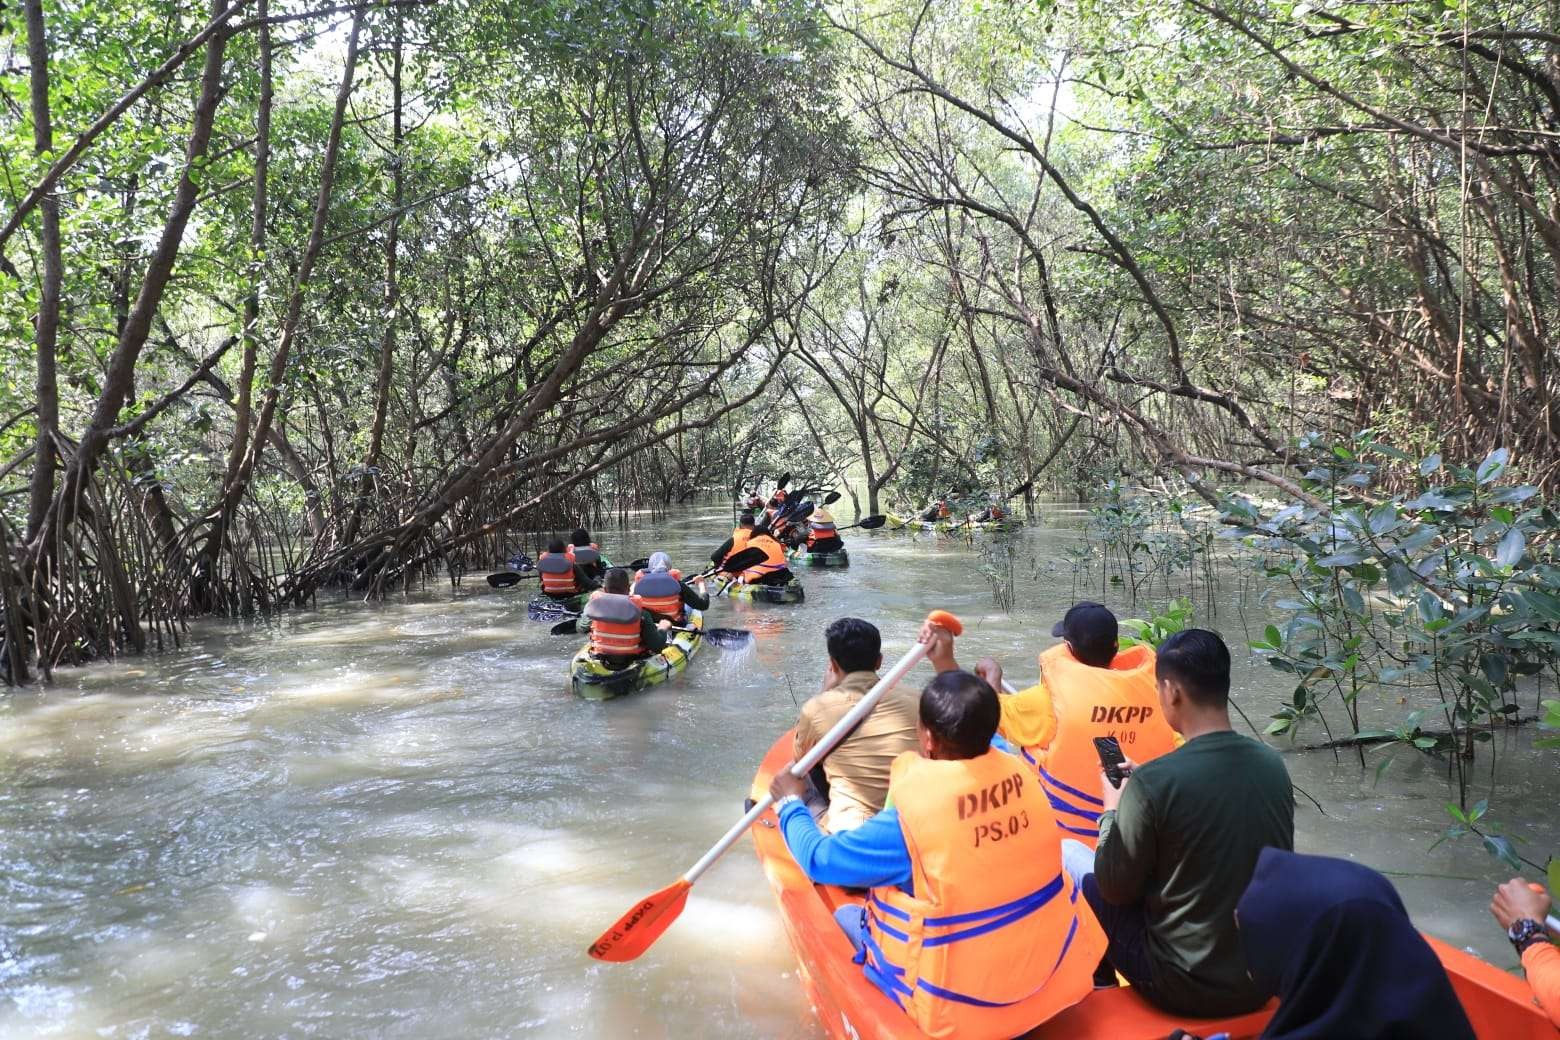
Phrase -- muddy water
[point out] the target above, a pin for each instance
(393, 820)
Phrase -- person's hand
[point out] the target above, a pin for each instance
(784, 784)
(1518, 899)
(665, 624)
(988, 669)
(1110, 795)
(939, 646)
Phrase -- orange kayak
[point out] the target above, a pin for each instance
(851, 1008)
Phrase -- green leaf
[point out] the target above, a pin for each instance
(1429, 464)
(1554, 875)
(1510, 549)
(1274, 637)
(1493, 465)
(1424, 743)
(1501, 849)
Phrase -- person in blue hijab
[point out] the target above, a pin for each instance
(1331, 939)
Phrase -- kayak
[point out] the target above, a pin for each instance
(838, 558)
(594, 681)
(573, 604)
(790, 592)
(848, 1006)
(900, 523)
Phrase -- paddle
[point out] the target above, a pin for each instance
(871, 523)
(785, 478)
(635, 932)
(505, 579)
(831, 498)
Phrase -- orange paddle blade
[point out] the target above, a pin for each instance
(636, 931)
(943, 619)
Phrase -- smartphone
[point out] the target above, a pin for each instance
(1111, 758)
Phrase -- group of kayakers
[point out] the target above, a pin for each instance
(1021, 849)
(940, 510)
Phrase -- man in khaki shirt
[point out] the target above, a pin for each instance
(853, 780)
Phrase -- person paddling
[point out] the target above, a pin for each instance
(1089, 688)
(660, 590)
(1522, 909)
(822, 535)
(974, 929)
(737, 542)
(938, 510)
(561, 576)
(621, 631)
(772, 570)
(586, 553)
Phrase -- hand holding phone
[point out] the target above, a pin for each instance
(1111, 759)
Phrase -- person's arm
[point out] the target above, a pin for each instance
(863, 857)
(651, 634)
(806, 734)
(721, 553)
(1124, 857)
(1541, 961)
(585, 581)
(1028, 717)
(694, 598)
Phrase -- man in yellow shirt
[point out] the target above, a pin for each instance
(852, 782)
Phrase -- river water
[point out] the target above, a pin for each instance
(393, 820)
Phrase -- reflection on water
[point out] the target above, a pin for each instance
(393, 820)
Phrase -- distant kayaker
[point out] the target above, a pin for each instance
(561, 576)
(621, 631)
(737, 542)
(852, 782)
(992, 942)
(1179, 841)
(938, 510)
(1088, 688)
(822, 535)
(993, 513)
(1332, 941)
(776, 505)
(1522, 909)
(586, 553)
(660, 590)
(772, 570)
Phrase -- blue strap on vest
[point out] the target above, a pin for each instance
(1050, 784)
(884, 973)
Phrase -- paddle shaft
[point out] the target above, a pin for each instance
(1554, 923)
(801, 768)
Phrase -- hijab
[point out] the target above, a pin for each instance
(659, 561)
(1332, 940)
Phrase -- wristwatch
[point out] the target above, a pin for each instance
(1525, 933)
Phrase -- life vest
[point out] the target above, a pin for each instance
(659, 592)
(774, 560)
(995, 512)
(1119, 701)
(614, 625)
(994, 941)
(821, 531)
(584, 555)
(943, 512)
(557, 574)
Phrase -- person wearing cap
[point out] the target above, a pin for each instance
(660, 590)
(738, 540)
(1088, 688)
(822, 535)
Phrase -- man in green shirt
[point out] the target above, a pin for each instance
(1179, 841)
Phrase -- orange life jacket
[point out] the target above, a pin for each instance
(739, 540)
(943, 512)
(660, 592)
(993, 942)
(774, 559)
(1119, 701)
(614, 625)
(995, 512)
(817, 532)
(557, 574)
(584, 555)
